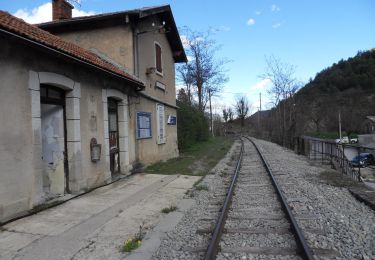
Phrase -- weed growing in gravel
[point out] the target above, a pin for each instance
(169, 209)
(197, 182)
(135, 242)
(223, 173)
(201, 187)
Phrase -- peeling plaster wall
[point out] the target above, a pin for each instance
(115, 42)
(147, 60)
(148, 149)
(16, 155)
(21, 186)
(92, 127)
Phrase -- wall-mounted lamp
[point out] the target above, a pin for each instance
(150, 70)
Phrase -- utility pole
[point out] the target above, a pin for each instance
(260, 108)
(211, 118)
(340, 125)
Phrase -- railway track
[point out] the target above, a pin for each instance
(255, 219)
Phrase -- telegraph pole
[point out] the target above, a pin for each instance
(260, 109)
(340, 125)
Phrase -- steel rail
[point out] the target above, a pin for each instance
(306, 252)
(213, 246)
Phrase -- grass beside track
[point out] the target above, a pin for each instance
(197, 160)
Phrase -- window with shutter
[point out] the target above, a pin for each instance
(158, 58)
(160, 121)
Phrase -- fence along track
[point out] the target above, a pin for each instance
(243, 188)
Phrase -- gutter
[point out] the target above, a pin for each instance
(136, 84)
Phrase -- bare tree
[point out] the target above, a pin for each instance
(317, 113)
(225, 114)
(182, 96)
(284, 86)
(203, 71)
(230, 114)
(184, 76)
(242, 108)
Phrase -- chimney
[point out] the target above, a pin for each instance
(61, 10)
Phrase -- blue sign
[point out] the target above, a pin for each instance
(143, 125)
(172, 120)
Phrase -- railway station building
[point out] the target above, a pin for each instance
(84, 100)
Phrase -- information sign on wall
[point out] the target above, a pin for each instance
(172, 120)
(144, 125)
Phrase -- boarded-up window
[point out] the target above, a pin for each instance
(160, 122)
(158, 58)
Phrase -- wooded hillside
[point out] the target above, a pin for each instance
(347, 86)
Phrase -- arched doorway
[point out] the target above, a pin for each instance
(116, 132)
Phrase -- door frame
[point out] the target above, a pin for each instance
(60, 102)
(114, 109)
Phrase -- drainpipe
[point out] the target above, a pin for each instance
(136, 73)
(136, 51)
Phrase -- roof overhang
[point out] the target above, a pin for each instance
(135, 84)
(164, 13)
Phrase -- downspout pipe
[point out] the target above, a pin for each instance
(135, 51)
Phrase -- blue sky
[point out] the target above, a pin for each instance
(310, 35)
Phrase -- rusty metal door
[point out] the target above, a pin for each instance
(113, 136)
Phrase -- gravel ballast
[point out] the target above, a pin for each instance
(330, 217)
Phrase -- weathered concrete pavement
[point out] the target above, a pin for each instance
(94, 226)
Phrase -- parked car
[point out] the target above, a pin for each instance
(363, 160)
(354, 140)
(343, 140)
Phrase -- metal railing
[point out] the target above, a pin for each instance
(330, 152)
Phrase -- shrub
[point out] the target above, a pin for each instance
(135, 242)
(192, 126)
(169, 209)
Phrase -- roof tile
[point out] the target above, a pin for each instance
(18, 26)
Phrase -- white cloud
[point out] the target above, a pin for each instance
(184, 40)
(40, 14)
(258, 12)
(276, 25)
(43, 13)
(77, 13)
(224, 28)
(261, 84)
(275, 8)
(186, 43)
(250, 22)
(189, 58)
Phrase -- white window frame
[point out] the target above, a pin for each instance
(160, 124)
(161, 59)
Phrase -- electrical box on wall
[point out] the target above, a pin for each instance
(172, 120)
(96, 150)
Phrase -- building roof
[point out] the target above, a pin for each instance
(164, 12)
(371, 118)
(28, 32)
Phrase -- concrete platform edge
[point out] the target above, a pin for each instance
(152, 241)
